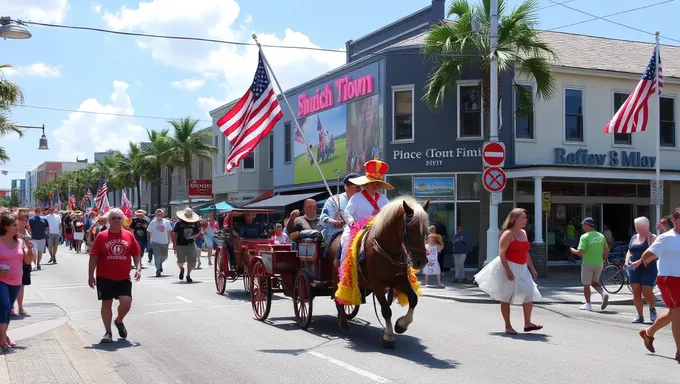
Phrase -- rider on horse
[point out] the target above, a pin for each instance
(368, 202)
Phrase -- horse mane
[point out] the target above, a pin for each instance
(390, 212)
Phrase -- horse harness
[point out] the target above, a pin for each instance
(405, 258)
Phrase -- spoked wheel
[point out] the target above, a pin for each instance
(302, 300)
(260, 291)
(612, 279)
(220, 280)
(351, 311)
(246, 279)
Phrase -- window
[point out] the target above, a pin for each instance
(621, 138)
(667, 122)
(524, 122)
(469, 111)
(573, 119)
(215, 168)
(225, 154)
(271, 151)
(402, 108)
(248, 162)
(288, 145)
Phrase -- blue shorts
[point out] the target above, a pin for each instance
(643, 275)
(199, 243)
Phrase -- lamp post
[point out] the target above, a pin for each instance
(13, 29)
(43, 139)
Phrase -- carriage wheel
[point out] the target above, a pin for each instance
(246, 279)
(260, 291)
(351, 311)
(220, 280)
(302, 300)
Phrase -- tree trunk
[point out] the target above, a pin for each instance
(139, 193)
(159, 194)
(169, 189)
(187, 168)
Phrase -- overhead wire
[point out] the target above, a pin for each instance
(102, 113)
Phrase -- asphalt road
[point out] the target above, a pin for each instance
(186, 333)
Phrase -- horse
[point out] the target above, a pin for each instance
(394, 243)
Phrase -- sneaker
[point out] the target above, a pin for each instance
(122, 331)
(181, 274)
(605, 301)
(652, 314)
(638, 320)
(158, 274)
(586, 307)
(106, 338)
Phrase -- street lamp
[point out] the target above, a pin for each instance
(43, 139)
(13, 29)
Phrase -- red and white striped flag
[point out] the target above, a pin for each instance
(101, 194)
(634, 113)
(252, 118)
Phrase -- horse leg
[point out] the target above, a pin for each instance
(387, 335)
(403, 322)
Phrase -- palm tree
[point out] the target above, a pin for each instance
(189, 143)
(454, 46)
(10, 95)
(154, 156)
(133, 168)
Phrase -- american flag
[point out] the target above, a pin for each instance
(86, 199)
(252, 118)
(101, 194)
(634, 113)
(72, 202)
(299, 135)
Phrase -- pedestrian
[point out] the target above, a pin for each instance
(78, 231)
(433, 267)
(460, 250)
(642, 278)
(54, 222)
(593, 249)
(39, 228)
(14, 252)
(507, 278)
(666, 249)
(112, 252)
(159, 237)
(139, 226)
(21, 216)
(68, 229)
(211, 236)
(185, 233)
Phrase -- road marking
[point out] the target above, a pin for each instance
(359, 371)
(184, 300)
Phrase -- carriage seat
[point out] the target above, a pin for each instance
(310, 234)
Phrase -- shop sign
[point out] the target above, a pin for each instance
(346, 90)
(434, 187)
(622, 159)
(199, 187)
(435, 157)
(656, 192)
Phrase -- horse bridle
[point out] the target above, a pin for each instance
(405, 258)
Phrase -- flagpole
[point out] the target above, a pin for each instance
(658, 130)
(297, 126)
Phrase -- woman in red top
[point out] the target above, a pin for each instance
(507, 278)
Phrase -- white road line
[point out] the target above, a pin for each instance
(184, 299)
(359, 371)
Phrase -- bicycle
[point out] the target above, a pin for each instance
(615, 275)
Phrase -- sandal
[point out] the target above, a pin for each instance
(22, 312)
(12, 312)
(649, 341)
(511, 332)
(11, 342)
(533, 327)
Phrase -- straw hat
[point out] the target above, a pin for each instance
(375, 171)
(188, 215)
(140, 212)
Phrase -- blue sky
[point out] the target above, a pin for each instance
(97, 72)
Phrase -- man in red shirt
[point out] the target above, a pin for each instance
(111, 255)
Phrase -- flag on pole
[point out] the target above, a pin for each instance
(87, 199)
(299, 135)
(105, 206)
(634, 113)
(72, 202)
(126, 206)
(252, 118)
(101, 194)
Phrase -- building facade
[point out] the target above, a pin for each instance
(19, 190)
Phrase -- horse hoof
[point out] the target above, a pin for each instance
(398, 328)
(386, 343)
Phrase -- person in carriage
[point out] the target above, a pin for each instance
(332, 217)
(362, 206)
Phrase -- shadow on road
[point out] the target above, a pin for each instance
(244, 296)
(113, 346)
(541, 337)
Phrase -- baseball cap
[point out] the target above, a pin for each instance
(349, 177)
(588, 221)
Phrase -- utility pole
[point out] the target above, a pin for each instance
(492, 233)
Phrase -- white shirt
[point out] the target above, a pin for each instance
(358, 208)
(667, 249)
(281, 239)
(54, 220)
(159, 230)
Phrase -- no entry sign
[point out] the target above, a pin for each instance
(494, 179)
(493, 154)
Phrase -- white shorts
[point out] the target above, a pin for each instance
(39, 245)
(78, 236)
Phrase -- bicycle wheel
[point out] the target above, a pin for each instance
(612, 279)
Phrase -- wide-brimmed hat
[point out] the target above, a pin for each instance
(140, 212)
(375, 171)
(188, 215)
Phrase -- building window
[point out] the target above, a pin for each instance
(271, 151)
(225, 153)
(573, 118)
(621, 138)
(248, 162)
(469, 111)
(667, 122)
(216, 144)
(288, 143)
(402, 108)
(524, 122)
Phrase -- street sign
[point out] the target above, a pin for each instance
(547, 201)
(494, 179)
(656, 192)
(493, 154)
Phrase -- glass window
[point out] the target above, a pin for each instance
(403, 115)
(470, 111)
(288, 145)
(215, 166)
(271, 151)
(248, 162)
(622, 190)
(507, 191)
(621, 138)
(524, 123)
(573, 119)
(525, 187)
(469, 186)
(667, 122)
(565, 189)
(644, 190)
(467, 215)
(403, 185)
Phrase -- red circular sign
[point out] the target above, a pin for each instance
(494, 179)
(493, 154)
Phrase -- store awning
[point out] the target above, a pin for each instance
(281, 201)
(219, 207)
(267, 195)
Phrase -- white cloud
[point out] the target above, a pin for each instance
(216, 19)
(46, 11)
(82, 134)
(34, 70)
(188, 84)
(95, 8)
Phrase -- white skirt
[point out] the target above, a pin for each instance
(78, 235)
(494, 282)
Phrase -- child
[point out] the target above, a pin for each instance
(432, 267)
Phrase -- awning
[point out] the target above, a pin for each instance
(281, 201)
(267, 195)
(219, 207)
